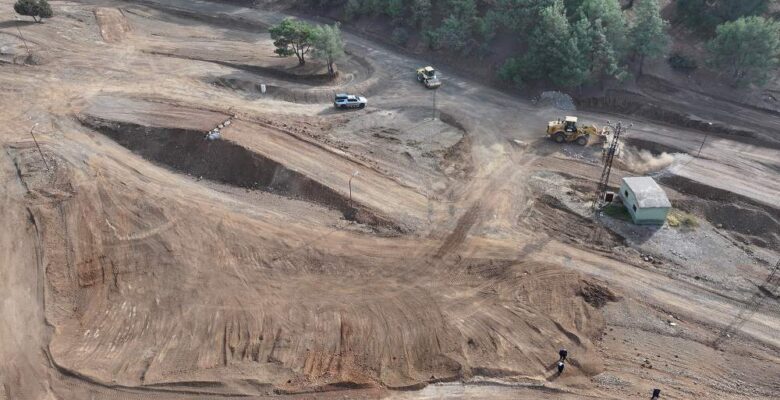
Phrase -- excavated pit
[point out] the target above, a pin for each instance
(187, 151)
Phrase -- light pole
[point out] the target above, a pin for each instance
(354, 174)
(39, 147)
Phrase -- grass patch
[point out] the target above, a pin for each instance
(617, 211)
(681, 219)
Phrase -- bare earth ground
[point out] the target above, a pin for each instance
(141, 261)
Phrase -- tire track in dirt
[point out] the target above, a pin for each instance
(114, 27)
(458, 235)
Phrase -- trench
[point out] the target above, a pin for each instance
(186, 151)
(749, 220)
(624, 103)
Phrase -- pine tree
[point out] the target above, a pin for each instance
(292, 37)
(328, 45)
(609, 13)
(553, 53)
(648, 38)
(748, 48)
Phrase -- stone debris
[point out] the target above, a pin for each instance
(561, 101)
(216, 133)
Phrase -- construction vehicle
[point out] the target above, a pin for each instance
(567, 131)
(427, 75)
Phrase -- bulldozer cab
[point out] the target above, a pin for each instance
(429, 72)
(570, 125)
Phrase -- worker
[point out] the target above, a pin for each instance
(560, 367)
(656, 394)
(562, 353)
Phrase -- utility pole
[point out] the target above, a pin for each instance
(16, 18)
(354, 174)
(434, 103)
(39, 147)
(608, 157)
(707, 133)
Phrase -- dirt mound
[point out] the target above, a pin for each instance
(633, 104)
(171, 291)
(702, 191)
(224, 161)
(596, 294)
(551, 215)
(749, 223)
(113, 24)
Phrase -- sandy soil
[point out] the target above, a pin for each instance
(140, 260)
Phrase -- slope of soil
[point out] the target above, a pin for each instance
(124, 277)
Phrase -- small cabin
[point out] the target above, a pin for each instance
(645, 200)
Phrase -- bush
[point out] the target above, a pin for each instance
(511, 71)
(616, 210)
(37, 9)
(682, 63)
(352, 10)
(748, 49)
(681, 219)
(400, 36)
(453, 34)
(705, 15)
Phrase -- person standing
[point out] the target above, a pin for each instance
(562, 353)
(560, 367)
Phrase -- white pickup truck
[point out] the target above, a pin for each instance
(349, 101)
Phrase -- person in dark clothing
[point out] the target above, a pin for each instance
(562, 353)
(560, 367)
(656, 394)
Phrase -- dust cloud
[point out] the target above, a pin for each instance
(642, 161)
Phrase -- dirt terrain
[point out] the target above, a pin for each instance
(140, 260)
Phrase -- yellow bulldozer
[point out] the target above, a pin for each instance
(567, 131)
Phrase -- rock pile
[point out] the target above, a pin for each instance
(216, 133)
(559, 100)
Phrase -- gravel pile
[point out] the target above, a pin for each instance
(561, 101)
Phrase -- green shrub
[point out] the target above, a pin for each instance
(37, 9)
(400, 36)
(682, 62)
(705, 15)
(681, 219)
(616, 210)
(748, 49)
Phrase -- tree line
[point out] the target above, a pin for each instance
(571, 43)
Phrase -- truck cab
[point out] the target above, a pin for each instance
(570, 125)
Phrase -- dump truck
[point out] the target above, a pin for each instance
(427, 75)
(567, 131)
